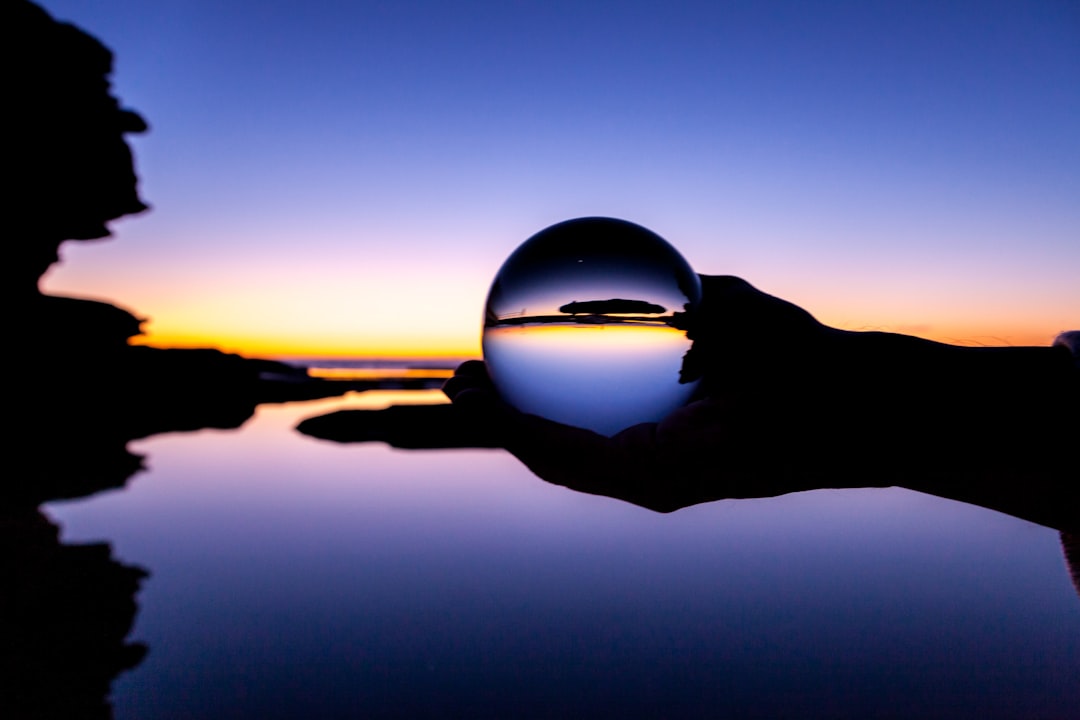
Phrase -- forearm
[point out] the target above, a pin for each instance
(996, 427)
(947, 396)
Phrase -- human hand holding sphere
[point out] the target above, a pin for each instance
(627, 375)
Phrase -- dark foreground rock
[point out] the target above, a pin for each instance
(67, 610)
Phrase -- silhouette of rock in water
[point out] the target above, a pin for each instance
(69, 169)
(78, 391)
(83, 390)
(66, 611)
(614, 306)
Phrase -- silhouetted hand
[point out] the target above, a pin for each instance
(660, 466)
(790, 404)
(710, 449)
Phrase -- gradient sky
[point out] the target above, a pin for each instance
(347, 177)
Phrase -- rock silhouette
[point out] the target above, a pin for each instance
(615, 306)
(80, 392)
(84, 390)
(67, 609)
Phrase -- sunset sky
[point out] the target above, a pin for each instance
(345, 178)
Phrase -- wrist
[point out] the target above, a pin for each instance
(954, 406)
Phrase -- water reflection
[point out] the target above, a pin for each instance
(298, 579)
(66, 610)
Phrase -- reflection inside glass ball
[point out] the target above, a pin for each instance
(582, 325)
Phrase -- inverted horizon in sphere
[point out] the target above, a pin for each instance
(582, 323)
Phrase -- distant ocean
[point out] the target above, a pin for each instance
(376, 368)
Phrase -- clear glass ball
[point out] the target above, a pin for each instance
(582, 325)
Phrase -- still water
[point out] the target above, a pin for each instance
(292, 578)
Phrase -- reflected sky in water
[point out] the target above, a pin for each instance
(295, 578)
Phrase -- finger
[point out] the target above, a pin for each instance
(471, 368)
(458, 386)
(469, 375)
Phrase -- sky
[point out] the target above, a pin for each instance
(346, 178)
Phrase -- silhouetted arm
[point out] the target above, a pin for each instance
(794, 405)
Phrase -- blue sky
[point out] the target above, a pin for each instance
(900, 165)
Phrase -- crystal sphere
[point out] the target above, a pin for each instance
(581, 325)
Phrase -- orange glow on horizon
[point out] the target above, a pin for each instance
(421, 347)
(970, 335)
(381, 373)
(286, 348)
(626, 339)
